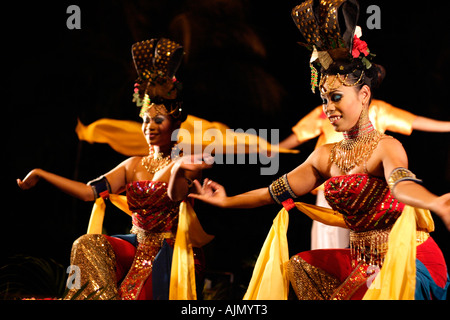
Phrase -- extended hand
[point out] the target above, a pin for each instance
(29, 181)
(211, 192)
(442, 209)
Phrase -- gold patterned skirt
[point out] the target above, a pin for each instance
(114, 268)
(341, 274)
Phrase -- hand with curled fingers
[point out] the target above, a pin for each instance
(210, 192)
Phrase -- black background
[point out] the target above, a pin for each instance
(53, 75)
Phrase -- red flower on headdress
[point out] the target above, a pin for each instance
(359, 47)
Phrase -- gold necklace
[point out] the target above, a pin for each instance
(156, 161)
(355, 148)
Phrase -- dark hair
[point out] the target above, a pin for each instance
(174, 104)
(372, 76)
(175, 108)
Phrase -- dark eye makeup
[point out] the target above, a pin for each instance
(158, 119)
(336, 97)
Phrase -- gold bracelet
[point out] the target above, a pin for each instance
(401, 174)
(280, 190)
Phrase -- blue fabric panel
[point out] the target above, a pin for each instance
(426, 288)
(162, 265)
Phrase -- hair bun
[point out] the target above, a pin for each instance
(376, 75)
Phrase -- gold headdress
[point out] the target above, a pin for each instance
(156, 62)
(329, 29)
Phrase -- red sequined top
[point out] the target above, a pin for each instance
(152, 208)
(365, 201)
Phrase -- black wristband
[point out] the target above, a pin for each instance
(100, 187)
(280, 191)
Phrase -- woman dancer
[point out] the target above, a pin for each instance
(367, 184)
(124, 267)
(384, 117)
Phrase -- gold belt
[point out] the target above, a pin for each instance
(371, 246)
(149, 245)
(151, 238)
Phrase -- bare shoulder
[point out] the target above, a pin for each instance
(323, 150)
(130, 166)
(322, 153)
(388, 142)
(312, 172)
(391, 154)
(126, 166)
(121, 174)
(132, 161)
(319, 158)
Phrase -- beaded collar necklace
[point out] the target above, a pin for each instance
(356, 147)
(359, 130)
(156, 161)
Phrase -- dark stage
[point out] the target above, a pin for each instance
(244, 68)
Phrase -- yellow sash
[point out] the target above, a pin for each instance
(189, 234)
(396, 278)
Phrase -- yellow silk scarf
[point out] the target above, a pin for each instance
(189, 234)
(396, 278)
(195, 134)
(269, 280)
(98, 212)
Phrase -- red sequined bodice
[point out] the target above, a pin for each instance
(365, 201)
(152, 208)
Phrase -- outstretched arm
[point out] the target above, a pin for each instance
(426, 124)
(290, 142)
(213, 193)
(302, 180)
(407, 191)
(74, 188)
(416, 195)
(116, 179)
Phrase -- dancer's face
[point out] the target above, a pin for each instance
(343, 105)
(157, 126)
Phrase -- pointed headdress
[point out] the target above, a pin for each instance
(332, 35)
(156, 62)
